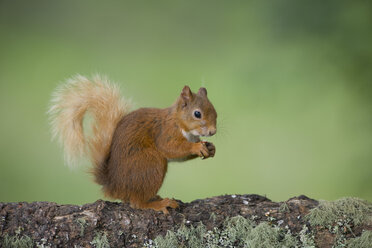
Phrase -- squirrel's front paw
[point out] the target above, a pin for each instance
(201, 150)
(211, 148)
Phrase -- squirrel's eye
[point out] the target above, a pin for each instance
(197, 114)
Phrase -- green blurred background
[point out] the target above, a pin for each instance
(291, 81)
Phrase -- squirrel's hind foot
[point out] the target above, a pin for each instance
(171, 203)
(157, 205)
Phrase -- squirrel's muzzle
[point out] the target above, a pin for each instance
(211, 131)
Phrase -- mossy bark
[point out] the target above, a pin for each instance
(113, 224)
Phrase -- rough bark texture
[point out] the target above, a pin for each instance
(57, 225)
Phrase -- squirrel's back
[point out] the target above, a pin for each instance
(134, 136)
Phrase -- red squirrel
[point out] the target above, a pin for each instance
(130, 150)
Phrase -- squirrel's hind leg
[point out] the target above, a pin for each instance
(143, 180)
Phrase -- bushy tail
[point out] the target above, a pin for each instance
(70, 103)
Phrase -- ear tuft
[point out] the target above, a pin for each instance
(186, 94)
(202, 91)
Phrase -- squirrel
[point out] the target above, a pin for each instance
(130, 150)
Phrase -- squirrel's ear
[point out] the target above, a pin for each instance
(186, 95)
(202, 91)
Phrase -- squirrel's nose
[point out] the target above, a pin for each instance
(212, 131)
